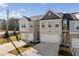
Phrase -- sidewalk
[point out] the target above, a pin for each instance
(5, 48)
(31, 52)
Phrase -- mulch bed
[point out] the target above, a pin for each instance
(64, 51)
(21, 49)
(3, 41)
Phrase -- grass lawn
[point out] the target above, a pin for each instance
(21, 49)
(3, 41)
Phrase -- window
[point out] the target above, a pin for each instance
(57, 25)
(77, 27)
(23, 25)
(43, 25)
(31, 26)
(49, 25)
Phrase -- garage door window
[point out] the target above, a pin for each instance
(43, 25)
(31, 26)
(49, 25)
(56, 25)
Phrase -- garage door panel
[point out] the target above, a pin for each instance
(23, 36)
(50, 38)
(30, 37)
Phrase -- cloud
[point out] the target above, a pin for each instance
(3, 5)
(17, 13)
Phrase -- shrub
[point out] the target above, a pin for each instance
(14, 33)
(6, 35)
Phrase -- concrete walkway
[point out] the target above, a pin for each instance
(31, 52)
(5, 48)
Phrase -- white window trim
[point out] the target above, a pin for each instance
(76, 24)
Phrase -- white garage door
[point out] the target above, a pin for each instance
(50, 38)
(30, 37)
(75, 42)
(27, 37)
(23, 36)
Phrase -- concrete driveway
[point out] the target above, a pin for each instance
(43, 49)
(47, 49)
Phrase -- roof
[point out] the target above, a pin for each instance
(27, 18)
(24, 19)
(69, 16)
(47, 49)
(35, 17)
(49, 14)
(74, 17)
(61, 14)
(44, 16)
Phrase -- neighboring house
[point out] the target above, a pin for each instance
(43, 28)
(67, 17)
(74, 33)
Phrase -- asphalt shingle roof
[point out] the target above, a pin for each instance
(27, 18)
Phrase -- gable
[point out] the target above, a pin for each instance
(23, 19)
(50, 15)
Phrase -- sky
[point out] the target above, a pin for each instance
(17, 10)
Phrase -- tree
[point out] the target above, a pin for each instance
(6, 36)
(13, 24)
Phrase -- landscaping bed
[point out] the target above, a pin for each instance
(21, 49)
(64, 51)
(3, 41)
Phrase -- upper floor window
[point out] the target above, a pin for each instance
(23, 25)
(77, 27)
